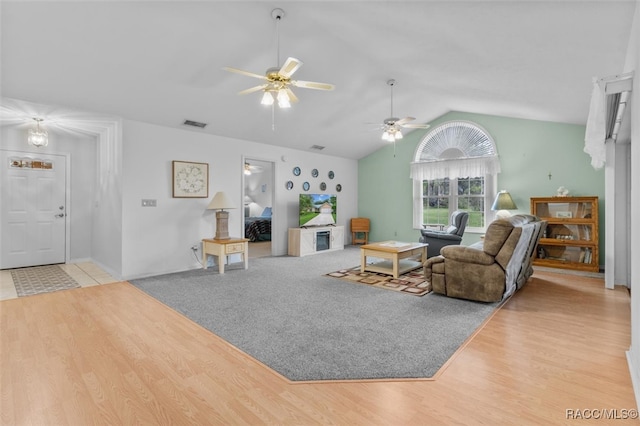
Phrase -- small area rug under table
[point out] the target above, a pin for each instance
(412, 282)
(41, 279)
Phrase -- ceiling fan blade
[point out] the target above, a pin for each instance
(252, 89)
(313, 85)
(292, 96)
(290, 66)
(247, 73)
(416, 126)
(402, 121)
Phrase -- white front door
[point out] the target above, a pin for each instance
(33, 212)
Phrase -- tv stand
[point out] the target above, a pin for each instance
(317, 239)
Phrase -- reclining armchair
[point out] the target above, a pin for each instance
(492, 269)
(452, 235)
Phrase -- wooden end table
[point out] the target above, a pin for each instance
(397, 253)
(223, 248)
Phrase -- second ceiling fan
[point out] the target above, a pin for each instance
(278, 82)
(391, 126)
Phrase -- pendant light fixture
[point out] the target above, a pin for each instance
(37, 136)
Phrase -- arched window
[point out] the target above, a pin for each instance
(454, 168)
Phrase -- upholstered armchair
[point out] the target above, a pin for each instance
(492, 269)
(452, 235)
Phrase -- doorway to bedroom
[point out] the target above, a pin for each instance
(258, 197)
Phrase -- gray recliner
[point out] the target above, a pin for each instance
(452, 235)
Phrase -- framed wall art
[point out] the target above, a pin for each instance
(190, 180)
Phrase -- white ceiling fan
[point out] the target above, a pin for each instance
(392, 126)
(278, 82)
(249, 168)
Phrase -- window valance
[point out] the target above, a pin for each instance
(454, 168)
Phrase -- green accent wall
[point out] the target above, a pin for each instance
(529, 152)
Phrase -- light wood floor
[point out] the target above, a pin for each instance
(112, 355)
(259, 249)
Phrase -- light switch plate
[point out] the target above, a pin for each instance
(149, 203)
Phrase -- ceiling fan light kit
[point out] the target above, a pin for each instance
(278, 79)
(391, 127)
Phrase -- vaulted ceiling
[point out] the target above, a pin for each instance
(162, 62)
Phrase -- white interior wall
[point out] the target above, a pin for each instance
(622, 260)
(107, 212)
(632, 63)
(157, 240)
(617, 214)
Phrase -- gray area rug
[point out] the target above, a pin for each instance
(284, 312)
(41, 279)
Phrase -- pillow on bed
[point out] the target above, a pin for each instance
(266, 212)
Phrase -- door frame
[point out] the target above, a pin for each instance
(274, 226)
(67, 192)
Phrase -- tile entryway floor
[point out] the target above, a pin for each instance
(86, 274)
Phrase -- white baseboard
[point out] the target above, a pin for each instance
(634, 370)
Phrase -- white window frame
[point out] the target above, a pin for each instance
(490, 185)
(435, 161)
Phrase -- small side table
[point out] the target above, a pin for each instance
(223, 248)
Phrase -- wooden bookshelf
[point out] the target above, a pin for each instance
(571, 238)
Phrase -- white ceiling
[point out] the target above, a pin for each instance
(161, 62)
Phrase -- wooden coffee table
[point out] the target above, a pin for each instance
(397, 256)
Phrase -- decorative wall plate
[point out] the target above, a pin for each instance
(314, 172)
(296, 171)
(323, 186)
(306, 186)
(331, 174)
(338, 187)
(289, 185)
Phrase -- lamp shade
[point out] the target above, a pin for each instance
(220, 201)
(503, 201)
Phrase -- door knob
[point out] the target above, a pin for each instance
(60, 215)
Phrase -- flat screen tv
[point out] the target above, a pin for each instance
(318, 209)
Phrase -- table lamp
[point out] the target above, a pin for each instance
(502, 203)
(220, 202)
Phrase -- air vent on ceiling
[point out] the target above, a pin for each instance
(194, 124)
(317, 147)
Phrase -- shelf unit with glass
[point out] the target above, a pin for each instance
(570, 240)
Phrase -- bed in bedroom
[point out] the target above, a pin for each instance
(258, 228)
